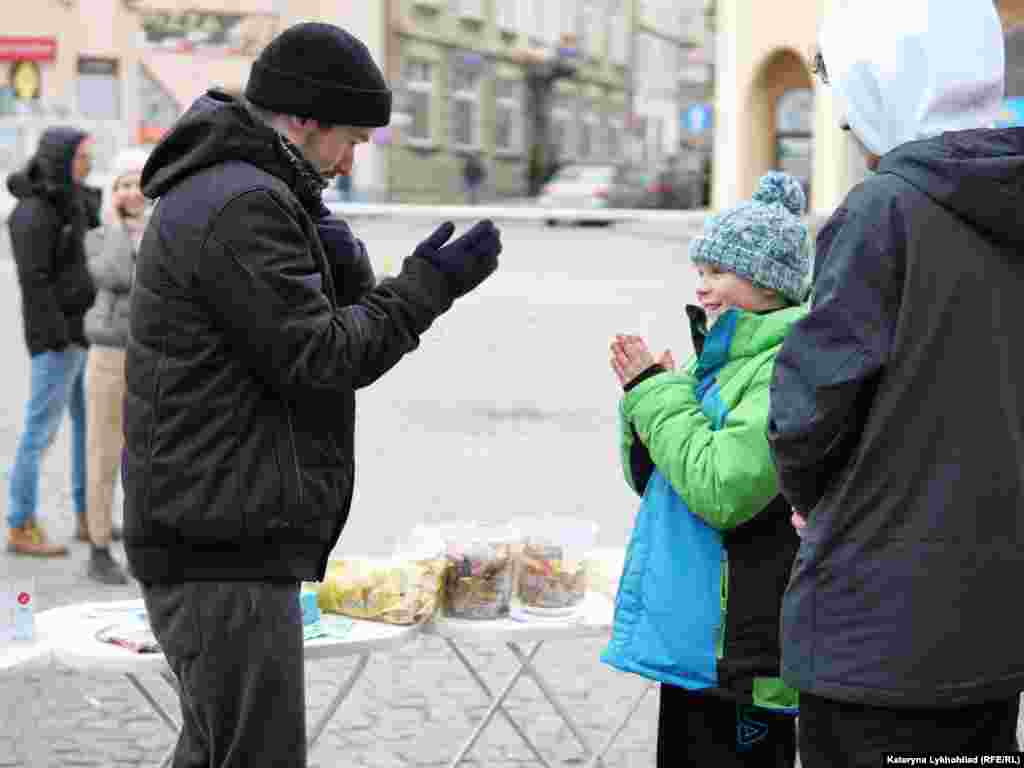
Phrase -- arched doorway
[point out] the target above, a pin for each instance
(782, 119)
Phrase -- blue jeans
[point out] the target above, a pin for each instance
(58, 381)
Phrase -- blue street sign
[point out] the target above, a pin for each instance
(697, 118)
(1012, 114)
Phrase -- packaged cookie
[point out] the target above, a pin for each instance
(478, 577)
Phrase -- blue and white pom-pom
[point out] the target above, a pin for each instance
(782, 189)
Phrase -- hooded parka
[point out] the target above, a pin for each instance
(897, 413)
(48, 227)
(707, 561)
(241, 364)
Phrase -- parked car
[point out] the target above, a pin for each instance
(592, 187)
(674, 187)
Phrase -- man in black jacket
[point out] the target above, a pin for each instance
(48, 227)
(241, 372)
(897, 414)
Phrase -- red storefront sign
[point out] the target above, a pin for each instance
(28, 48)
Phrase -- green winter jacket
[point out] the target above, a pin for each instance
(704, 428)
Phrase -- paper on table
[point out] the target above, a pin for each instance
(133, 634)
(328, 626)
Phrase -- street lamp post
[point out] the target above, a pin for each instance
(540, 80)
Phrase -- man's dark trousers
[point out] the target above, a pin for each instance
(236, 649)
(835, 734)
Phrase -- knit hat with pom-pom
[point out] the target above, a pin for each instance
(763, 239)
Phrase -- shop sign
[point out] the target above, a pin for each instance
(697, 118)
(26, 80)
(28, 48)
(208, 31)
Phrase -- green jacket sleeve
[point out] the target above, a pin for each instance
(625, 445)
(725, 476)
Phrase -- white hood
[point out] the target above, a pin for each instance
(904, 70)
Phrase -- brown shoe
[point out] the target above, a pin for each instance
(30, 540)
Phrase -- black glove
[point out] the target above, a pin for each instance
(350, 265)
(466, 261)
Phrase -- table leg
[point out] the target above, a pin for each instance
(599, 756)
(495, 707)
(157, 707)
(528, 667)
(343, 691)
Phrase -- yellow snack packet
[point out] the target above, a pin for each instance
(392, 591)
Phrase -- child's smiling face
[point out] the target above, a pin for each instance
(719, 289)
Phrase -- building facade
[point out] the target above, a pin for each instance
(122, 69)
(466, 75)
(471, 77)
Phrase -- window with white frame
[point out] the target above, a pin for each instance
(466, 80)
(418, 79)
(507, 12)
(470, 9)
(508, 128)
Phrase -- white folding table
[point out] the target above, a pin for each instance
(593, 618)
(67, 635)
(25, 656)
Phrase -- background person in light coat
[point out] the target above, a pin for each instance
(897, 414)
(111, 254)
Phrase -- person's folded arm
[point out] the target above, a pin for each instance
(35, 236)
(724, 475)
(828, 367)
(263, 285)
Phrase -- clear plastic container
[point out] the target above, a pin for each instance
(551, 573)
(479, 574)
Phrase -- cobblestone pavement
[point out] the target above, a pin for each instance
(473, 425)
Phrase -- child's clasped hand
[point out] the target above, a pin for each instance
(630, 357)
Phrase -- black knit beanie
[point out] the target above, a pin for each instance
(322, 72)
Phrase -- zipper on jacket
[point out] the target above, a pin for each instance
(724, 597)
(295, 453)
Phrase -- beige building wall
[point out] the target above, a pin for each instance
(761, 53)
(51, 19)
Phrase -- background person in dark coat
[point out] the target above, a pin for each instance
(897, 413)
(47, 228)
(473, 175)
(244, 355)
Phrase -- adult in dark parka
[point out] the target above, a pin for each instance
(249, 335)
(897, 413)
(47, 227)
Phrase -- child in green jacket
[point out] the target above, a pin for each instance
(698, 604)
